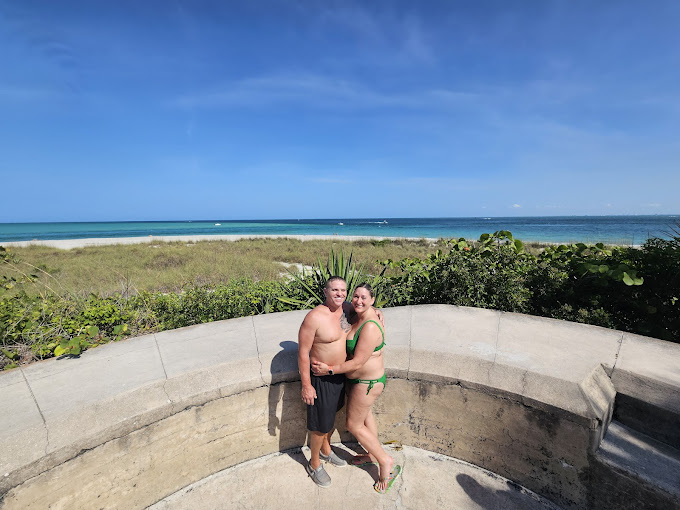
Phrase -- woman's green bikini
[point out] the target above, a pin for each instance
(351, 345)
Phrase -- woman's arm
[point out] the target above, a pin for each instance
(367, 342)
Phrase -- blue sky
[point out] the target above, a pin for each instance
(154, 110)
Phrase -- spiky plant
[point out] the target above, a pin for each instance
(306, 290)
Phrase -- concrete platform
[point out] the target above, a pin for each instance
(527, 398)
(429, 480)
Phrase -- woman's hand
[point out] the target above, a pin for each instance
(319, 368)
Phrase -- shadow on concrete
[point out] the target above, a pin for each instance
(491, 499)
(287, 414)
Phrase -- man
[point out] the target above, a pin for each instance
(322, 336)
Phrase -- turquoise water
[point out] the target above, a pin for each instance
(625, 230)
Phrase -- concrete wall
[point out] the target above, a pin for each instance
(129, 423)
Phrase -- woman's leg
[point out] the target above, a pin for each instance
(372, 426)
(364, 427)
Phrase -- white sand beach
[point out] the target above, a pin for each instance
(69, 244)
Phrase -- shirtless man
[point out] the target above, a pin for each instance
(322, 336)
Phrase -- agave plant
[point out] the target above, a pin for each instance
(311, 284)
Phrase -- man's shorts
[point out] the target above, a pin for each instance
(330, 397)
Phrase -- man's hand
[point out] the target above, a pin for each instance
(380, 315)
(308, 395)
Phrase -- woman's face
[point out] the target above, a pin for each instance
(361, 299)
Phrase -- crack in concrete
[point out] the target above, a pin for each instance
(495, 351)
(398, 502)
(524, 382)
(42, 416)
(498, 334)
(616, 356)
(165, 372)
(257, 348)
(410, 347)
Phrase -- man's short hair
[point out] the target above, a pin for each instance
(333, 279)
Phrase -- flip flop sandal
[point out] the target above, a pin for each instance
(356, 461)
(390, 480)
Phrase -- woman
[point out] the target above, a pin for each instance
(365, 373)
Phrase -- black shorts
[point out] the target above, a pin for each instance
(330, 397)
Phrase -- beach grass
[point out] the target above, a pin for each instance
(170, 266)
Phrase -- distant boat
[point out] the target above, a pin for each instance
(384, 221)
(217, 224)
(340, 223)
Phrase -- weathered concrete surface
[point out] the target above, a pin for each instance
(648, 369)
(539, 450)
(647, 376)
(535, 448)
(527, 397)
(137, 469)
(429, 480)
(276, 336)
(638, 471)
(24, 436)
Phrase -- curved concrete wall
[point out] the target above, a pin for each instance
(129, 423)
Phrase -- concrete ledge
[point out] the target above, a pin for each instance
(132, 422)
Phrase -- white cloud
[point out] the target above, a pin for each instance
(321, 92)
(516, 206)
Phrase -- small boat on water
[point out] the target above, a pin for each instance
(340, 223)
(217, 224)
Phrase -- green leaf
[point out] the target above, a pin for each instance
(9, 354)
(59, 350)
(627, 279)
(92, 331)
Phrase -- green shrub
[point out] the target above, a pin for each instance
(199, 304)
(629, 289)
(491, 274)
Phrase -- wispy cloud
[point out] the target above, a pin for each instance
(316, 91)
(398, 37)
(450, 184)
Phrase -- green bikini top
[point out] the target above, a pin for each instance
(351, 343)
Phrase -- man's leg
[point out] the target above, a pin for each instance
(316, 443)
(326, 445)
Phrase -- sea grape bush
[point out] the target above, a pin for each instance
(630, 289)
(490, 274)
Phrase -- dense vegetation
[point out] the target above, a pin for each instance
(630, 289)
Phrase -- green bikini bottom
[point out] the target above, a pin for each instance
(370, 382)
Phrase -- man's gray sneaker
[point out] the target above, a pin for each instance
(319, 476)
(333, 459)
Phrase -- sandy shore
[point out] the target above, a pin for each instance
(69, 244)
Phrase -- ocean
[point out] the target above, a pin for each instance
(622, 230)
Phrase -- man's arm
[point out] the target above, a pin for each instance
(305, 342)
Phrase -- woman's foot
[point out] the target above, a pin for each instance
(362, 460)
(385, 471)
(382, 486)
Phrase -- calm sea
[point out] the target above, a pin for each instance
(624, 230)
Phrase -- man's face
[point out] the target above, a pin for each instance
(336, 292)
